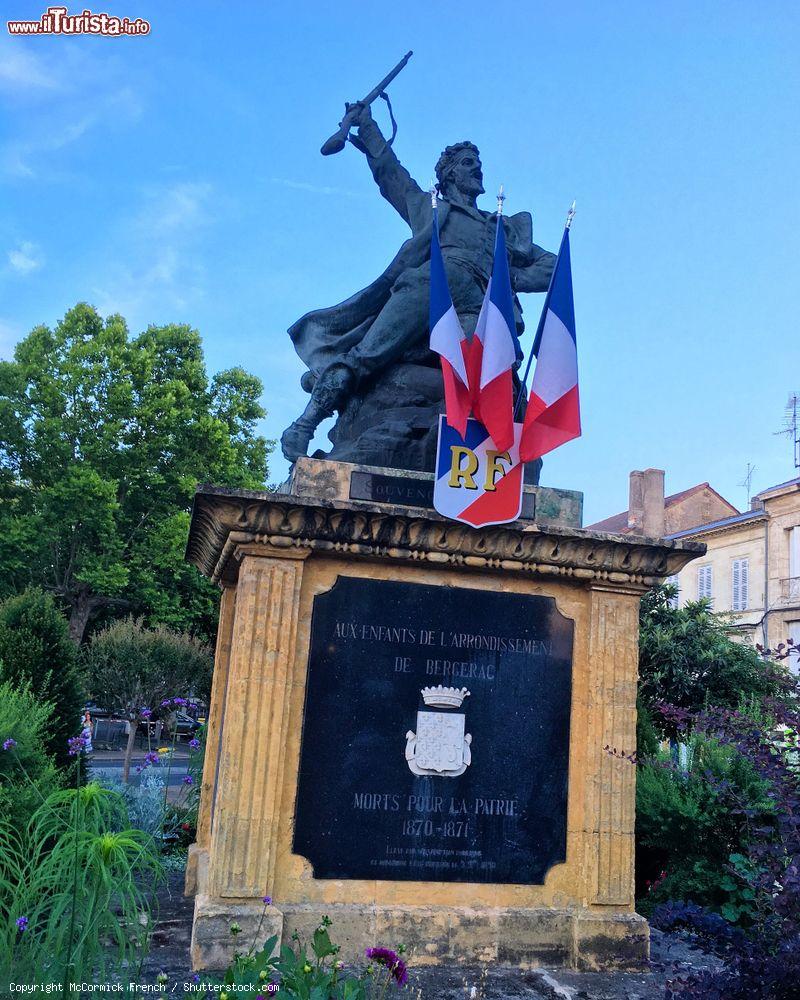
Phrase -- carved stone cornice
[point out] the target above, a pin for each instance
(225, 519)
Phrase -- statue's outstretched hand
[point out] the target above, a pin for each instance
(358, 114)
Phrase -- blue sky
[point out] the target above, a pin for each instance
(177, 177)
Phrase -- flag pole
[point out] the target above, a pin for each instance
(524, 383)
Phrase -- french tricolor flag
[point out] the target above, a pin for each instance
(448, 339)
(493, 351)
(553, 416)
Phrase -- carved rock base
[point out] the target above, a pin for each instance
(273, 555)
(433, 935)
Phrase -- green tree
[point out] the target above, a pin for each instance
(687, 659)
(27, 771)
(131, 667)
(103, 439)
(37, 654)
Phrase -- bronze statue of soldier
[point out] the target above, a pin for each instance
(368, 357)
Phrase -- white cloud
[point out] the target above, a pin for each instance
(25, 258)
(53, 101)
(163, 271)
(22, 72)
(314, 188)
(24, 157)
(174, 210)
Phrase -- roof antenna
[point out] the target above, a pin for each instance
(792, 428)
(747, 482)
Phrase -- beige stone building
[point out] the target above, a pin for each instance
(751, 570)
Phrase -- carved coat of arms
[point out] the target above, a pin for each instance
(440, 746)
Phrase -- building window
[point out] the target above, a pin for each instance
(794, 563)
(704, 582)
(672, 581)
(794, 657)
(741, 585)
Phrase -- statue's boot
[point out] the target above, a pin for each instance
(328, 394)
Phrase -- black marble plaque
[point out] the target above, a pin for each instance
(363, 811)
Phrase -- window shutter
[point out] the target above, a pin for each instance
(704, 581)
(741, 584)
(794, 553)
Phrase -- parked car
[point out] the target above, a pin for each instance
(182, 725)
(97, 711)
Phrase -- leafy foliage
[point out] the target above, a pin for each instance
(131, 667)
(687, 659)
(727, 833)
(36, 652)
(311, 972)
(103, 439)
(693, 829)
(765, 962)
(29, 774)
(75, 877)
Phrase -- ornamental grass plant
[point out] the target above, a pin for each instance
(76, 889)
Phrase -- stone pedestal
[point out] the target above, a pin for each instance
(273, 555)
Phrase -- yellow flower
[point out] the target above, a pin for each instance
(306, 969)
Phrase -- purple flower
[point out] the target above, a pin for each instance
(9, 744)
(194, 744)
(22, 924)
(267, 900)
(145, 712)
(75, 745)
(392, 961)
(151, 758)
(166, 703)
(188, 779)
(178, 701)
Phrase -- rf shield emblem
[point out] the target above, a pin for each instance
(474, 482)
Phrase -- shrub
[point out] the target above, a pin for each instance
(692, 833)
(25, 720)
(132, 668)
(36, 651)
(765, 961)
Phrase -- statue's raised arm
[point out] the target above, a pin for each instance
(396, 184)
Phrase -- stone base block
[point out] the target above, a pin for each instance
(196, 870)
(213, 944)
(434, 935)
(617, 941)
